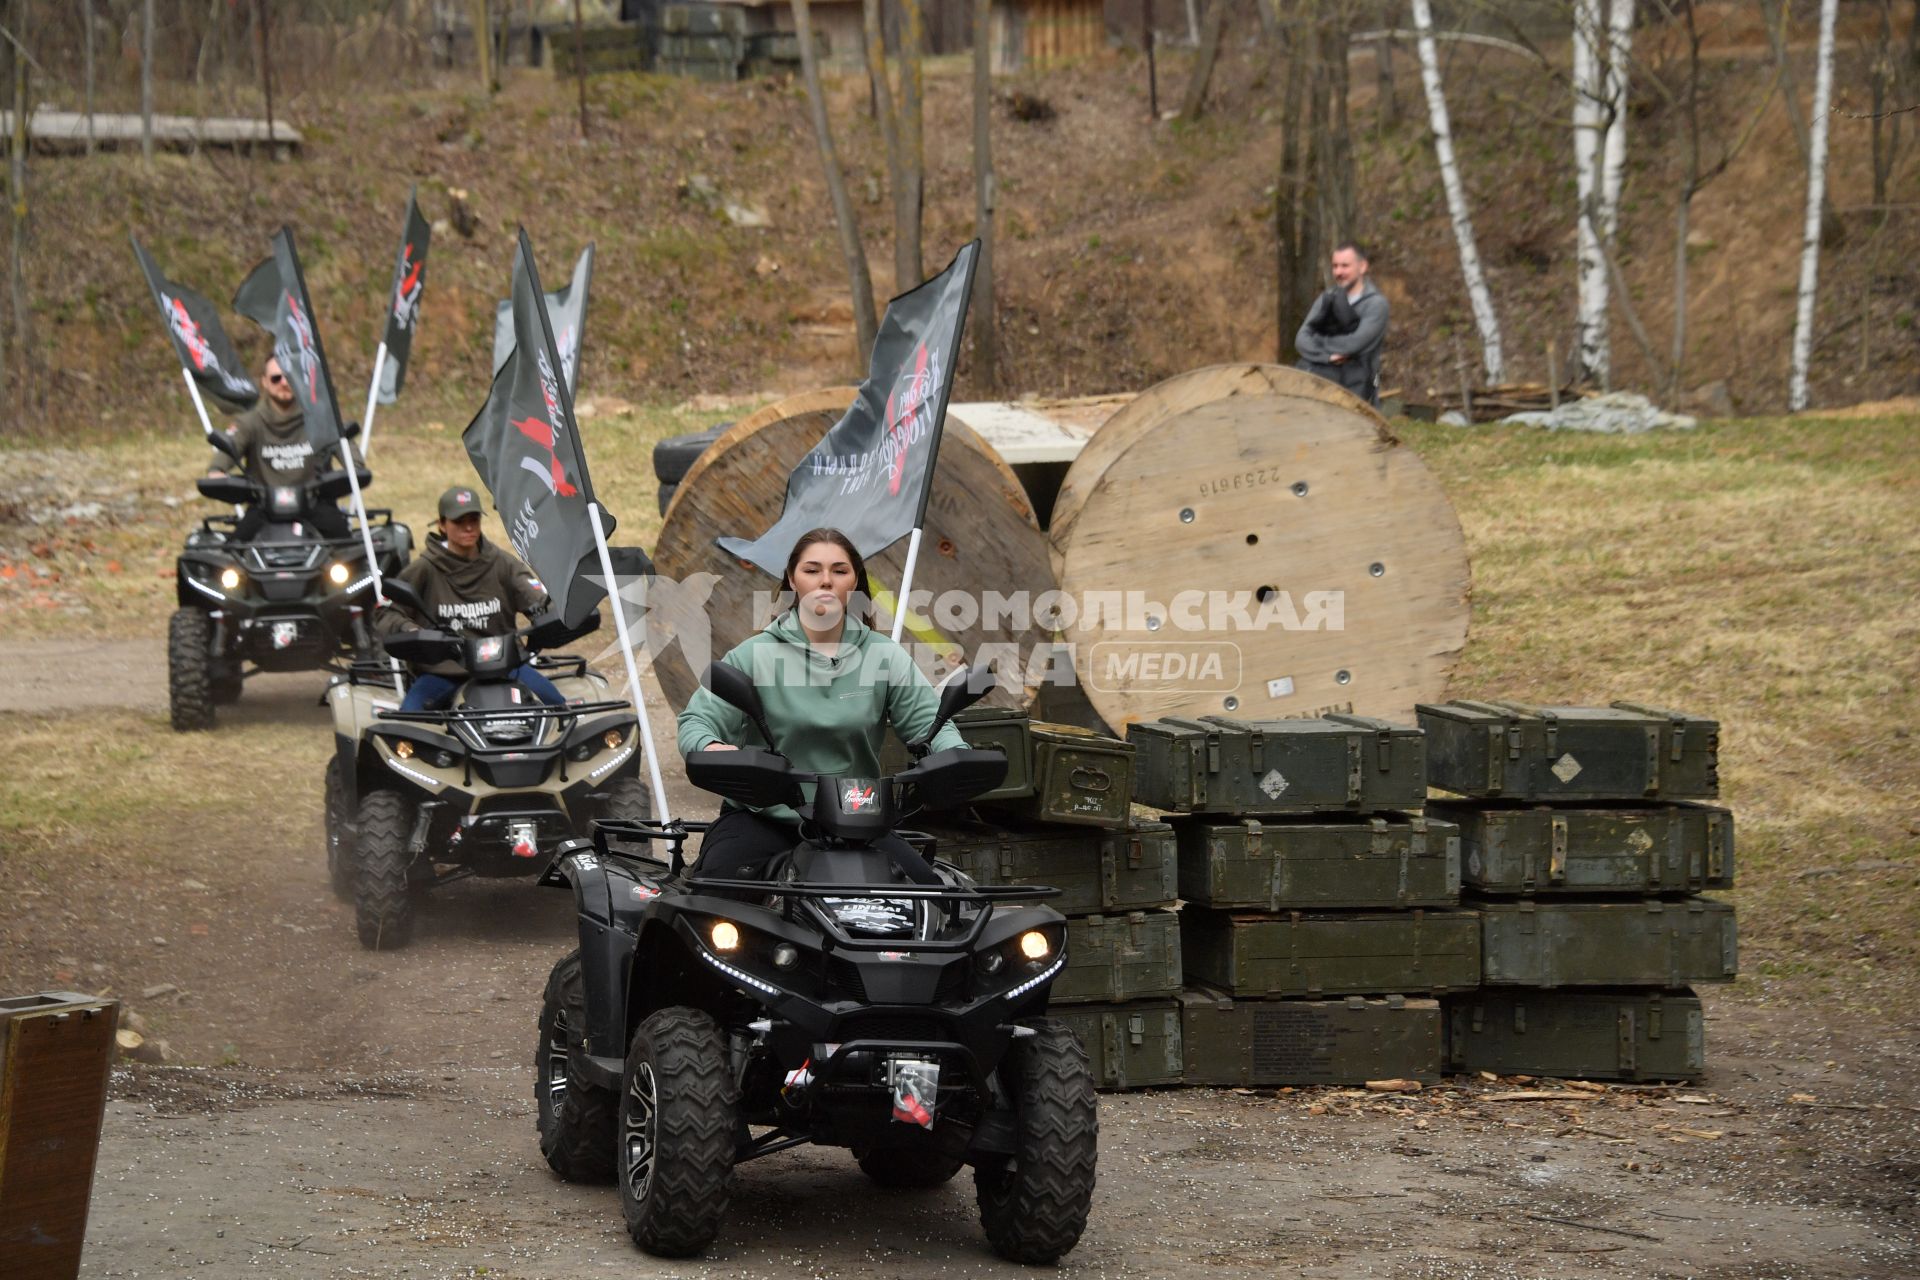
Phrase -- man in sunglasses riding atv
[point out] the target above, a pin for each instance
(471, 587)
(273, 451)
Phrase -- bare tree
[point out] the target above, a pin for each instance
(1194, 104)
(913, 145)
(482, 12)
(985, 335)
(17, 191)
(865, 322)
(146, 82)
(881, 87)
(580, 66)
(86, 13)
(1887, 73)
(1477, 293)
(1296, 204)
(1816, 190)
(266, 67)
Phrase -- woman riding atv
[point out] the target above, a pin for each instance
(831, 685)
(472, 588)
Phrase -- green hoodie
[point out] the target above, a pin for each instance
(827, 713)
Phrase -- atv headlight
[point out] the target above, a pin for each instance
(1035, 945)
(230, 578)
(337, 574)
(403, 749)
(725, 935)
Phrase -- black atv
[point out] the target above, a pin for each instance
(705, 1022)
(286, 599)
(488, 786)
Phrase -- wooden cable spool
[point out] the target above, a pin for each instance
(980, 536)
(1266, 481)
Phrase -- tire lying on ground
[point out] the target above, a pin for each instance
(673, 457)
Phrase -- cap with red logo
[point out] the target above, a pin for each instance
(459, 501)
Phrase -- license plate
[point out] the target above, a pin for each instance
(285, 633)
(916, 1090)
(521, 837)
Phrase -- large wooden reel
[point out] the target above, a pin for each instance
(1273, 490)
(980, 537)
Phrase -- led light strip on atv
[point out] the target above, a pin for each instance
(1031, 983)
(738, 976)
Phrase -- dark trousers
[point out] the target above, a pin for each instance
(741, 844)
(328, 522)
(430, 692)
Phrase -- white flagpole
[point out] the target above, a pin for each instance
(661, 811)
(906, 585)
(366, 540)
(373, 398)
(206, 423)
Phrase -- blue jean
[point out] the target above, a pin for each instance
(430, 692)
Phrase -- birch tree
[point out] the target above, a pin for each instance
(864, 321)
(985, 336)
(1483, 314)
(1816, 192)
(1601, 47)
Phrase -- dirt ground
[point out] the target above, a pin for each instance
(375, 1116)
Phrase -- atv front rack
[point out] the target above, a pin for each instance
(447, 718)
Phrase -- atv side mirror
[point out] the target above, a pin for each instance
(348, 430)
(225, 444)
(735, 688)
(550, 630)
(958, 692)
(401, 592)
(950, 778)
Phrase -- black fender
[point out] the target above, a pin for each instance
(611, 900)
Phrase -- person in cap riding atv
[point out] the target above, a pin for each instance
(274, 450)
(472, 588)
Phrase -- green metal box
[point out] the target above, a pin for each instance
(1114, 958)
(1263, 1043)
(1643, 943)
(1095, 871)
(1336, 763)
(1129, 1046)
(1002, 729)
(1578, 1035)
(1080, 778)
(1625, 848)
(1312, 864)
(1625, 751)
(1332, 953)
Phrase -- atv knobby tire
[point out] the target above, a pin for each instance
(189, 670)
(339, 832)
(382, 909)
(579, 1122)
(1034, 1205)
(678, 1124)
(627, 800)
(912, 1166)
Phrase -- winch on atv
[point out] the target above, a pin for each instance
(704, 1022)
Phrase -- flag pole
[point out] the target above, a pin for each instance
(906, 584)
(662, 812)
(373, 398)
(206, 423)
(366, 541)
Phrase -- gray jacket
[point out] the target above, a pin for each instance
(1360, 372)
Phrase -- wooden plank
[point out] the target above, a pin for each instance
(55, 1052)
(981, 535)
(1262, 480)
(65, 130)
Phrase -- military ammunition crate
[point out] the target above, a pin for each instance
(696, 19)
(1662, 848)
(1114, 958)
(1622, 752)
(1643, 943)
(1350, 1041)
(1095, 871)
(1578, 1035)
(1358, 953)
(1381, 861)
(1002, 729)
(1337, 763)
(1129, 1046)
(1080, 778)
(699, 69)
(703, 48)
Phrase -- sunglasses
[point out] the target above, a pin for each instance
(277, 379)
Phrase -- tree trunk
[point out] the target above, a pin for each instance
(913, 47)
(1334, 139)
(87, 18)
(17, 203)
(865, 323)
(1613, 162)
(1295, 206)
(1776, 14)
(1477, 294)
(483, 41)
(146, 82)
(1386, 102)
(1151, 38)
(881, 87)
(985, 332)
(1194, 104)
(266, 70)
(1595, 353)
(579, 65)
(1816, 191)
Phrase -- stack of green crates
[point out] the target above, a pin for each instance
(1321, 908)
(707, 41)
(1063, 818)
(1586, 846)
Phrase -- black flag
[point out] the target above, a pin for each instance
(566, 316)
(870, 475)
(403, 299)
(526, 446)
(198, 338)
(296, 340)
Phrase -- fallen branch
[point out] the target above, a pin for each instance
(1588, 1226)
